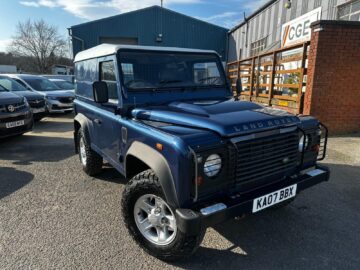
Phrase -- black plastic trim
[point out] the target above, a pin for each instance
(191, 221)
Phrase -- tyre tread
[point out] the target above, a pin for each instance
(184, 246)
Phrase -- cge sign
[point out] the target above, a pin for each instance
(298, 30)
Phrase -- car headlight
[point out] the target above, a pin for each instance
(2, 108)
(303, 140)
(26, 102)
(212, 165)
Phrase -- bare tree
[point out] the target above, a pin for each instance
(40, 41)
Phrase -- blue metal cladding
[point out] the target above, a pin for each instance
(177, 30)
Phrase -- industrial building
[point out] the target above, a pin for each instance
(264, 29)
(152, 26)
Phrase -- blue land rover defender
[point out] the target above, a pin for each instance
(165, 118)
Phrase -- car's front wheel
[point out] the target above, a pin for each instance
(151, 221)
(90, 160)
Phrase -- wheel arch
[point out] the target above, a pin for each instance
(80, 121)
(144, 157)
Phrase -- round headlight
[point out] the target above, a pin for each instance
(303, 141)
(212, 165)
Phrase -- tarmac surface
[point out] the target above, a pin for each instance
(54, 216)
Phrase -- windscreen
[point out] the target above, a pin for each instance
(11, 84)
(41, 84)
(2, 89)
(64, 85)
(156, 70)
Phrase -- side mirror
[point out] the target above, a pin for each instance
(101, 93)
(239, 87)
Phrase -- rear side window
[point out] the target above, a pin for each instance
(85, 74)
(107, 74)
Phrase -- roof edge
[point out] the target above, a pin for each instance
(146, 8)
(256, 12)
(105, 49)
(336, 23)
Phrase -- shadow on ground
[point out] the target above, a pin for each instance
(12, 180)
(24, 150)
(319, 230)
(52, 127)
(110, 174)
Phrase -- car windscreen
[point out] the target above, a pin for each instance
(11, 84)
(156, 70)
(2, 89)
(41, 84)
(64, 85)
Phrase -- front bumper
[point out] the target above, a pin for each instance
(39, 112)
(8, 132)
(55, 106)
(191, 221)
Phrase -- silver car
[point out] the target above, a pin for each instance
(57, 99)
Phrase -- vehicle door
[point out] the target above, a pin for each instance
(106, 123)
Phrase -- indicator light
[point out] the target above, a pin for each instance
(159, 146)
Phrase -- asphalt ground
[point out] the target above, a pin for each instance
(53, 216)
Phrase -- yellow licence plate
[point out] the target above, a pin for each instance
(283, 103)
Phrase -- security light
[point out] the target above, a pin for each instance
(288, 4)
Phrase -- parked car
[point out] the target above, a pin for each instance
(63, 84)
(195, 156)
(57, 100)
(35, 100)
(15, 114)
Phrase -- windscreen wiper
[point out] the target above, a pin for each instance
(166, 82)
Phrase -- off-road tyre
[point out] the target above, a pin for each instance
(94, 161)
(181, 247)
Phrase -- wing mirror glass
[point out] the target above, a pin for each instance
(101, 92)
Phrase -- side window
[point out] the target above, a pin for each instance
(85, 75)
(107, 74)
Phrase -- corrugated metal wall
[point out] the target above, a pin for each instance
(178, 30)
(269, 21)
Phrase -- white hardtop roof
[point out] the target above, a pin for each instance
(109, 49)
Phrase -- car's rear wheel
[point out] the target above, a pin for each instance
(90, 160)
(151, 221)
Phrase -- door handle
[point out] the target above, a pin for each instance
(97, 121)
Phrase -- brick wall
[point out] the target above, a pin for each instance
(333, 80)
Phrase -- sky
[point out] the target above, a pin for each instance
(65, 13)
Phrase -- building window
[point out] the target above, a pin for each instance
(107, 74)
(258, 46)
(349, 11)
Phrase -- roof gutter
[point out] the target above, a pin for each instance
(77, 38)
(266, 5)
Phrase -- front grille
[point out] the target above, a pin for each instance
(40, 103)
(266, 159)
(15, 107)
(66, 100)
(12, 119)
